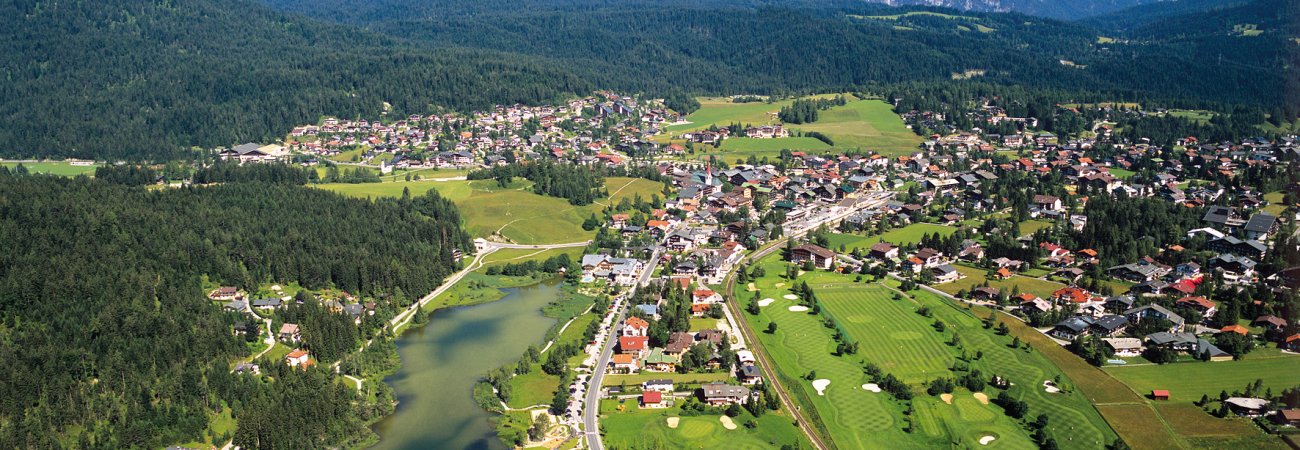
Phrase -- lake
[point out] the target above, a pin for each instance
(442, 361)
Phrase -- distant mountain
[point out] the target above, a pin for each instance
(1057, 9)
(1146, 14)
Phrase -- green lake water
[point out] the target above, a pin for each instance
(442, 361)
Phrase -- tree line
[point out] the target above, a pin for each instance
(111, 343)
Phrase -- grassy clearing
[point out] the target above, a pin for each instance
(1276, 205)
(917, 13)
(637, 428)
(515, 212)
(1123, 174)
(862, 123)
(976, 277)
(678, 378)
(869, 124)
(1032, 226)
(772, 145)
(1140, 426)
(910, 234)
(532, 388)
(60, 168)
(1187, 382)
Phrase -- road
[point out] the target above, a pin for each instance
(591, 409)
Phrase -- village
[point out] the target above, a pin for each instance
(997, 221)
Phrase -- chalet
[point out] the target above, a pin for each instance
(633, 345)
(624, 363)
(1231, 244)
(1070, 294)
(931, 257)
(1032, 306)
(1288, 417)
(1291, 342)
(719, 394)
(678, 343)
(658, 385)
(289, 333)
(235, 305)
(1047, 202)
(1270, 322)
(913, 264)
(1109, 325)
(749, 374)
(267, 303)
(1235, 268)
(224, 293)
(247, 367)
(945, 274)
(820, 256)
(659, 361)
(884, 251)
(1072, 328)
(1125, 347)
(298, 358)
(1223, 217)
(1155, 312)
(1260, 226)
(1180, 342)
(1199, 304)
(635, 326)
(653, 400)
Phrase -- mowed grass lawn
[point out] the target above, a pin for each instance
(1015, 285)
(515, 212)
(637, 428)
(1188, 381)
(1275, 205)
(895, 337)
(60, 168)
(862, 123)
(865, 123)
(910, 234)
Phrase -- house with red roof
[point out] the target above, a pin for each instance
(635, 326)
(1072, 294)
(633, 345)
(1199, 304)
(653, 400)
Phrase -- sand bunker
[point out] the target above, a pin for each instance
(672, 422)
(798, 308)
(765, 302)
(984, 399)
(947, 398)
(751, 287)
(987, 439)
(820, 385)
(727, 423)
(1050, 387)
(779, 284)
(791, 297)
(871, 387)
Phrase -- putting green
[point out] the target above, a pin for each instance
(696, 427)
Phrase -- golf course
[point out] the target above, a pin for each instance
(895, 336)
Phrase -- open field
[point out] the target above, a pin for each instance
(1275, 206)
(734, 145)
(862, 123)
(637, 428)
(636, 379)
(976, 277)
(532, 388)
(60, 168)
(893, 335)
(1032, 226)
(910, 234)
(515, 212)
(869, 124)
(1188, 381)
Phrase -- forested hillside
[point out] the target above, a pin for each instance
(732, 47)
(148, 78)
(109, 342)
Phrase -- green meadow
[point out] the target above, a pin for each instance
(513, 212)
(910, 234)
(862, 123)
(59, 168)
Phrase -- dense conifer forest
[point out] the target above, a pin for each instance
(109, 341)
(149, 79)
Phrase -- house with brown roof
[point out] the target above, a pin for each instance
(883, 251)
(289, 333)
(624, 363)
(820, 256)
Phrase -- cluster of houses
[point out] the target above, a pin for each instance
(603, 128)
(234, 300)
